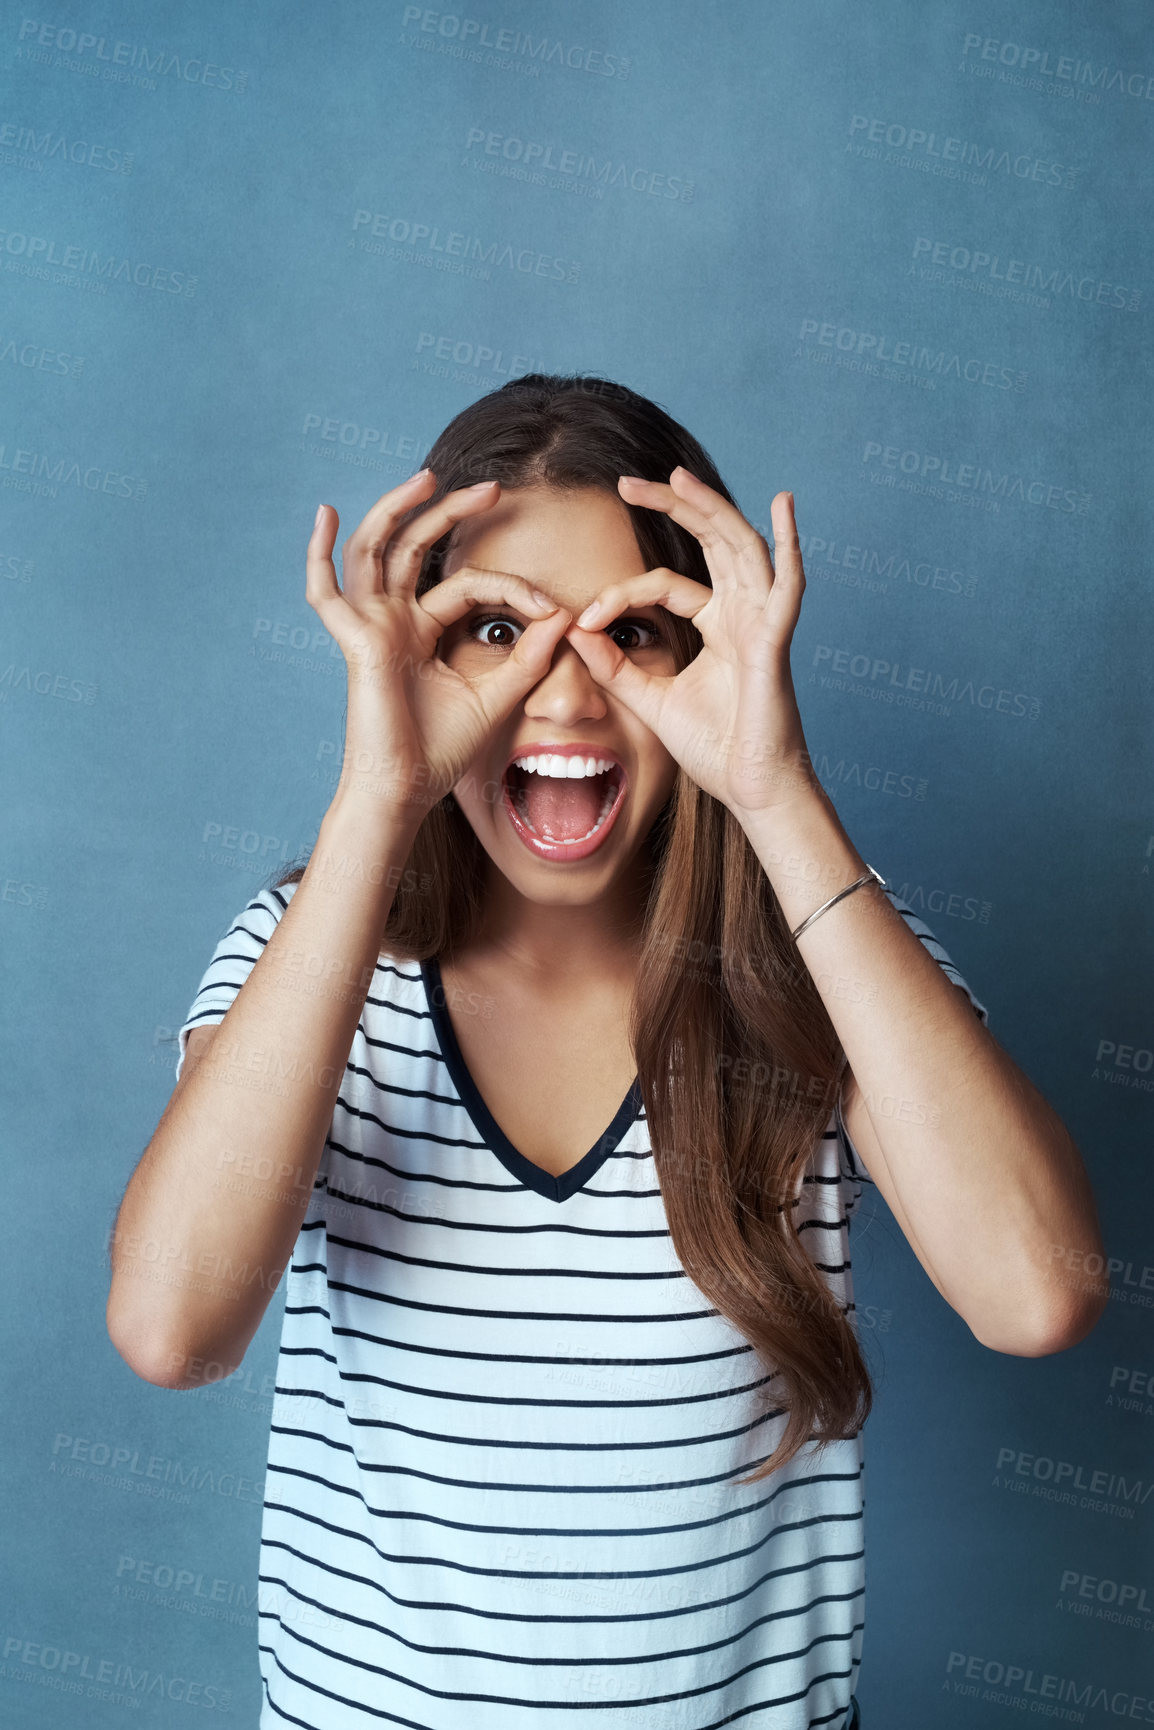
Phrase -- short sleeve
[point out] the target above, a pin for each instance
(233, 960)
(851, 1165)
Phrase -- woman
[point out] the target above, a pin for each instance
(555, 1074)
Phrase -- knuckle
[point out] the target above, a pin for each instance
(406, 546)
(461, 583)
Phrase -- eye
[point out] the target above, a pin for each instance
(635, 625)
(482, 623)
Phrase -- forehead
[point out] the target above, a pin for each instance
(565, 542)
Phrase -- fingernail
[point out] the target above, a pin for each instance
(545, 600)
(477, 485)
(590, 613)
(419, 476)
(317, 518)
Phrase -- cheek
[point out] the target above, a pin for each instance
(453, 651)
(479, 792)
(661, 774)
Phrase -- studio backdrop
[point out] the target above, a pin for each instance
(895, 258)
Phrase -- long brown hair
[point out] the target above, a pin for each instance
(738, 1062)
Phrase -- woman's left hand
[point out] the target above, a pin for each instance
(730, 718)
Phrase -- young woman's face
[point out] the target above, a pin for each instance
(534, 826)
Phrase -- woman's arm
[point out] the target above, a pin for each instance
(980, 1172)
(195, 1256)
(195, 1263)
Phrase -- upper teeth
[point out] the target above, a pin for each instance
(564, 768)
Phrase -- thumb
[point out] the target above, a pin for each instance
(516, 674)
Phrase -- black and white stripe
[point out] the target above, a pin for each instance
(506, 1424)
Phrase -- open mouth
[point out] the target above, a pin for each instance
(558, 813)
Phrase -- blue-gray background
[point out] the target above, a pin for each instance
(253, 258)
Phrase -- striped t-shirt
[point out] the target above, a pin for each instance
(505, 1424)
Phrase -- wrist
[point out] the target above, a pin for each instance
(367, 828)
(805, 852)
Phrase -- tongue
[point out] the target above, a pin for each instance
(561, 810)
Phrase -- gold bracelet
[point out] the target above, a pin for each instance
(870, 873)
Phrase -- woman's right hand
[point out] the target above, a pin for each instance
(414, 725)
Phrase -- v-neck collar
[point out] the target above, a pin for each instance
(490, 1131)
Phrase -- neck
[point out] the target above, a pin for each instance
(557, 947)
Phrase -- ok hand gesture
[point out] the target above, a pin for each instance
(730, 718)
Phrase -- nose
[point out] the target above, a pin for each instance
(568, 692)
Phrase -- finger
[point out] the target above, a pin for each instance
(404, 554)
(363, 554)
(471, 586)
(734, 551)
(643, 694)
(789, 578)
(377, 523)
(513, 677)
(660, 587)
(322, 591)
